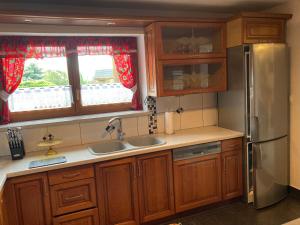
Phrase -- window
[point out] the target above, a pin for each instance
(98, 77)
(64, 76)
(45, 85)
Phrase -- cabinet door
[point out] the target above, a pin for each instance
(232, 174)
(2, 211)
(73, 196)
(87, 217)
(178, 77)
(260, 30)
(190, 40)
(151, 60)
(117, 192)
(155, 185)
(27, 200)
(197, 182)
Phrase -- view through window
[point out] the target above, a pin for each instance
(45, 85)
(98, 77)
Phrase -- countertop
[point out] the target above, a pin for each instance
(80, 155)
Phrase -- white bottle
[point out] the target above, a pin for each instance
(169, 122)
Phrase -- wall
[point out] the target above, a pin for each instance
(200, 110)
(293, 37)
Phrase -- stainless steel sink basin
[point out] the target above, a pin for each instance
(145, 141)
(109, 147)
(133, 143)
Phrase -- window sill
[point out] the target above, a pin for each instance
(74, 119)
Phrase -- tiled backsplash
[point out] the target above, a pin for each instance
(199, 110)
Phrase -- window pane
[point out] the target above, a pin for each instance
(100, 82)
(45, 85)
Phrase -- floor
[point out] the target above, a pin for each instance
(239, 213)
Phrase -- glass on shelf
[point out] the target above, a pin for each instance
(194, 76)
(191, 40)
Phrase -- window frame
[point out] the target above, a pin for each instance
(76, 108)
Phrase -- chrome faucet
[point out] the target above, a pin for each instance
(115, 123)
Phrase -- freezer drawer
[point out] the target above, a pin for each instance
(270, 171)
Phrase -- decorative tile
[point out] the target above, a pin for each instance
(210, 117)
(69, 134)
(151, 105)
(191, 119)
(93, 132)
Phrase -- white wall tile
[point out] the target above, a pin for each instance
(130, 127)
(4, 148)
(143, 125)
(93, 132)
(69, 134)
(210, 117)
(161, 123)
(167, 104)
(209, 100)
(191, 119)
(177, 121)
(190, 102)
(32, 137)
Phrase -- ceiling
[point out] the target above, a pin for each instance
(142, 6)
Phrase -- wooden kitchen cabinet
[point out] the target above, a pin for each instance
(27, 200)
(155, 186)
(73, 196)
(2, 210)
(117, 192)
(87, 217)
(251, 28)
(197, 182)
(232, 174)
(185, 58)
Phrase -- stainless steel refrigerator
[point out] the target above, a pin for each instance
(257, 103)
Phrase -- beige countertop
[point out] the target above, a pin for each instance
(80, 155)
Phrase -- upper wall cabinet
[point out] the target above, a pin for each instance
(251, 28)
(185, 58)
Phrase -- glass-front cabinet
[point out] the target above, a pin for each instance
(191, 40)
(192, 76)
(185, 58)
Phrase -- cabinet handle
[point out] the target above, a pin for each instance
(69, 176)
(72, 198)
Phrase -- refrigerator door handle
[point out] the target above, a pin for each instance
(258, 156)
(254, 128)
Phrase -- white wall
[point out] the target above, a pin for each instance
(293, 39)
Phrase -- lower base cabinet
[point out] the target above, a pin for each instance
(155, 186)
(128, 191)
(232, 174)
(86, 217)
(197, 182)
(117, 192)
(27, 200)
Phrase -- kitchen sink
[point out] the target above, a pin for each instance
(109, 147)
(145, 141)
(133, 143)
